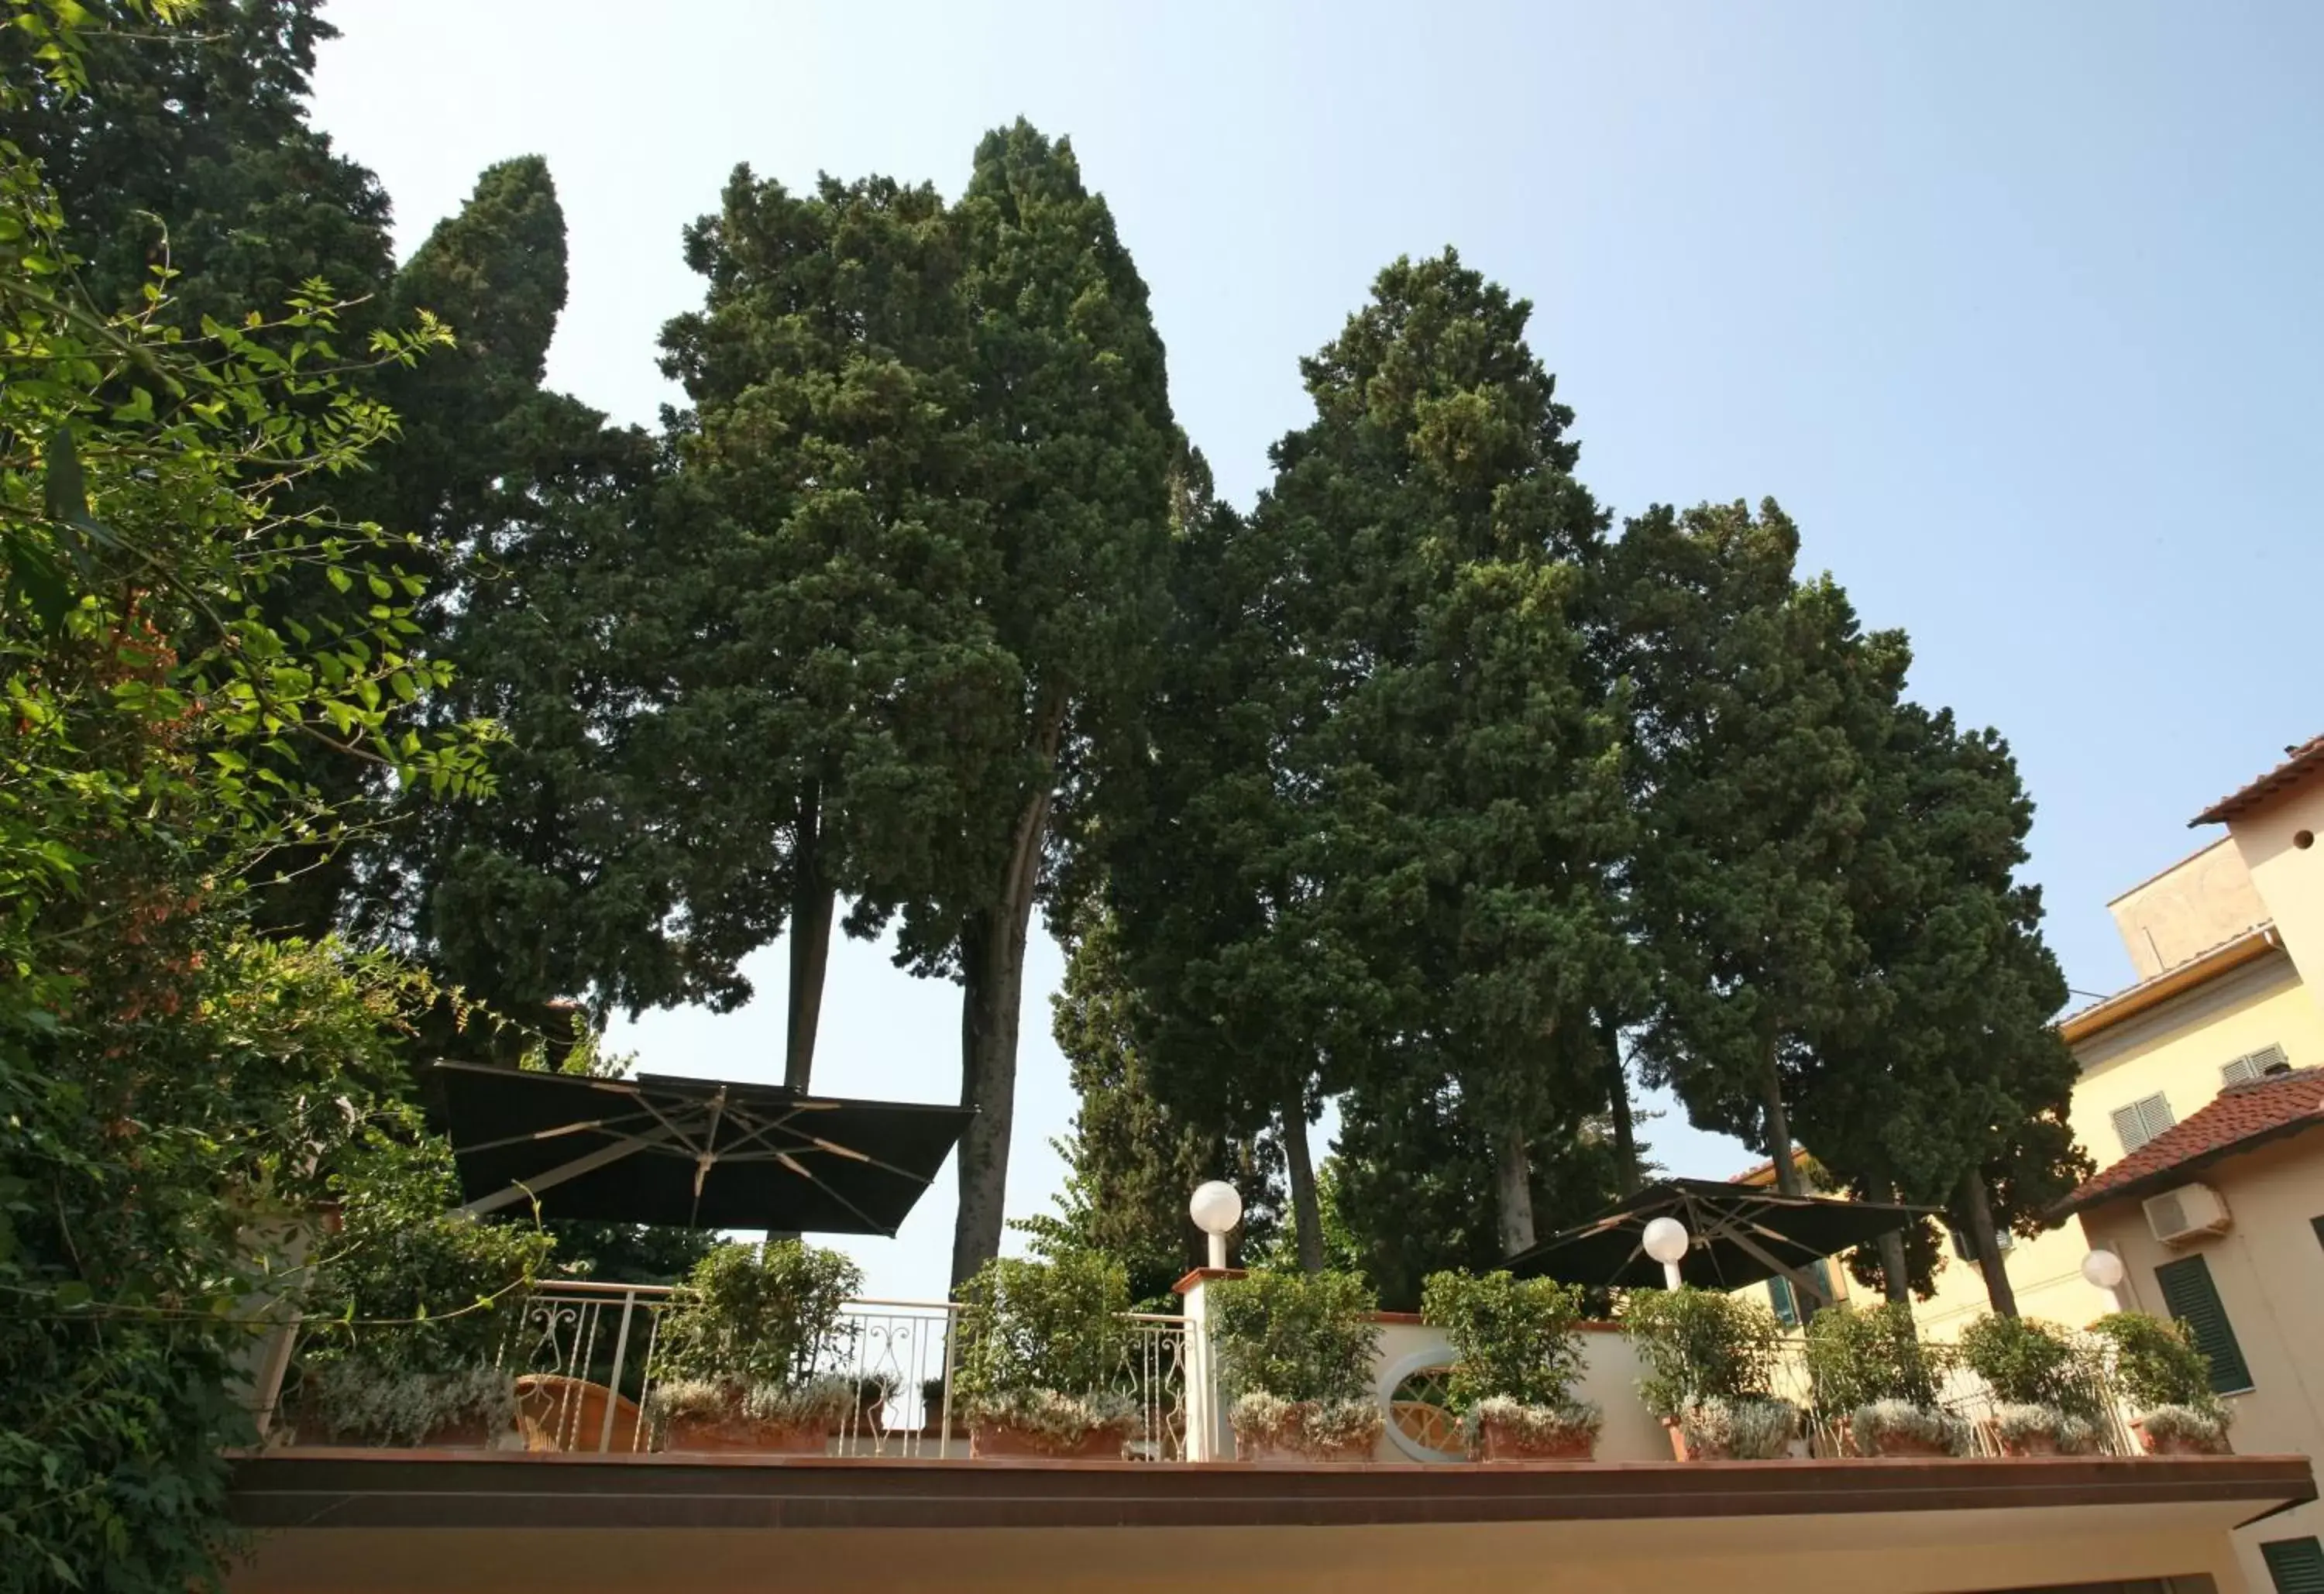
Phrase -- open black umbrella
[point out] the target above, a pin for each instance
(1740, 1234)
(688, 1153)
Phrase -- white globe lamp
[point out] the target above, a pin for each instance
(2104, 1269)
(1216, 1208)
(1666, 1241)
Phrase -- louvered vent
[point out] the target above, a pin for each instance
(2252, 1065)
(2142, 1120)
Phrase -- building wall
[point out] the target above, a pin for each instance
(2290, 878)
(2269, 1270)
(2190, 907)
(2177, 1049)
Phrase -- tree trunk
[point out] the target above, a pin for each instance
(1895, 1271)
(992, 994)
(1618, 1107)
(1977, 1210)
(1513, 1191)
(813, 901)
(1306, 1212)
(1779, 1127)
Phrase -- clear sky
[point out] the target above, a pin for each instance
(2017, 309)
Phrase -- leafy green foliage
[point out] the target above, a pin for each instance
(1305, 1337)
(2027, 1362)
(756, 1314)
(362, 1402)
(1701, 1346)
(2156, 1363)
(1858, 1356)
(1132, 1160)
(1033, 1328)
(1512, 1339)
(408, 1287)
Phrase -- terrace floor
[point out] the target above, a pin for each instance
(512, 1523)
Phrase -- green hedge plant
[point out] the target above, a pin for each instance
(742, 1338)
(1709, 1361)
(2048, 1390)
(1295, 1353)
(412, 1309)
(2167, 1380)
(1517, 1347)
(1048, 1349)
(1876, 1381)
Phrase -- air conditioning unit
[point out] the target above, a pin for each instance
(2181, 1216)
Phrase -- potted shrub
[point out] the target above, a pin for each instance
(1709, 1359)
(735, 1364)
(2168, 1382)
(1294, 1353)
(1876, 1383)
(1046, 1347)
(409, 1315)
(2046, 1394)
(1517, 1350)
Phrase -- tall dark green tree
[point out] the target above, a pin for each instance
(193, 151)
(1759, 706)
(1956, 1095)
(833, 701)
(1250, 1003)
(1470, 760)
(1132, 1160)
(1071, 400)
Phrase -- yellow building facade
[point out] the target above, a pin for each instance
(2228, 946)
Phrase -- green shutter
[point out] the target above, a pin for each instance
(2189, 1295)
(2296, 1565)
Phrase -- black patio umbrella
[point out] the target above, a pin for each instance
(1740, 1234)
(687, 1153)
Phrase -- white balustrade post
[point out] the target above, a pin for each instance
(1207, 1438)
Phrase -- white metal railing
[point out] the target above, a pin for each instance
(584, 1354)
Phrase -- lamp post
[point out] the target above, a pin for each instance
(1216, 1208)
(1666, 1241)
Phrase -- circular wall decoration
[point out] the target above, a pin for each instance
(1420, 1420)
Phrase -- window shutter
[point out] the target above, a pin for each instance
(2296, 1566)
(2253, 1065)
(2142, 1120)
(1779, 1296)
(2189, 1295)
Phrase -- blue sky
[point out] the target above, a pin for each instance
(2018, 310)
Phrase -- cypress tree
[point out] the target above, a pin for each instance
(1071, 400)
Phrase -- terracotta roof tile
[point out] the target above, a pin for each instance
(2299, 762)
(2240, 1117)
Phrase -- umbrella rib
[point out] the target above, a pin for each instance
(532, 1137)
(804, 1172)
(817, 1141)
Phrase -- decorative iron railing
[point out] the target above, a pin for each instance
(583, 1354)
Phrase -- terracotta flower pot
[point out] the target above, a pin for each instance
(1286, 1448)
(559, 1413)
(1885, 1443)
(999, 1440)
(2180, 1444)
(1502, 1441)
(1268, 1452)
(732, 1434)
